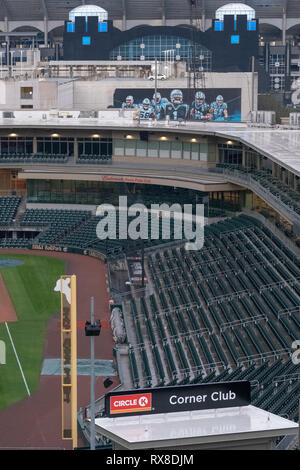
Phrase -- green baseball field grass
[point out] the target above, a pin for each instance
(30, 287)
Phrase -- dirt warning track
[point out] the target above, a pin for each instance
(7, 311)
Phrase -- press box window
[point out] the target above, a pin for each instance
(86, 41)
(235, 39)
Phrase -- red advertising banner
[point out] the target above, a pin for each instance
(131, 403)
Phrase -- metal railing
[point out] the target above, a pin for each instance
(236, 176)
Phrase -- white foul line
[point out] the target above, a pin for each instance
(12, 343)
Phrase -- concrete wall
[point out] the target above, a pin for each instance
(47, 95)
(44, 97)
(65, 95)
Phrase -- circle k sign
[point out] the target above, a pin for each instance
(130, 403)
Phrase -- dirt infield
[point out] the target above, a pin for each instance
(35, 422)
(7, 310)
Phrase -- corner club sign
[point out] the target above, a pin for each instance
(174, 399)
(131, 403)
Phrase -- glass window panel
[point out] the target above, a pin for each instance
(12, 146)
(130, 148)
(153, 149)
(103, 148)
(48, 147)
(96, 148)
(195, 151)
(187, 150)
(155, 47)
(64, 147)
(88, 148)
(29, 146)
(80, 148)
(4, 146)
(21, 146)
(55, 147)
(40, 146)
(164, 149)
(176, 150)
(141, 149)
(119, 146)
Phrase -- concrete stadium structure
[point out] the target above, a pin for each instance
(69, 141)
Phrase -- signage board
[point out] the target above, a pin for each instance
(175, 399)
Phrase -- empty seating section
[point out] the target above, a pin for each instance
(57, 223)
(15, 243)
(8, 209)
(33, 158)
(86, 236)
(78, 229)
(215, 314)
(94, 159)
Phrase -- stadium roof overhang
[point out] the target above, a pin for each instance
(282, 146)
(238, 427)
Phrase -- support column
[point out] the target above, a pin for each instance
(46, 31)
(124, 19)
(75, 149)
(258, 162)
(244, 157)
(291, 178)
(203, 20)
(34, 147)
(296, 182)
(284, 27)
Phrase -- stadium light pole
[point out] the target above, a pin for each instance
(92, 329)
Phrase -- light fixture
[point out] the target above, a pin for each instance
(129, 136)
(229, 142)
(13, 134)
(194, 140)
(163, 138)
(95, 136)
(54, 135)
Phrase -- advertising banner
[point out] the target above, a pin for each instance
(209, 104)
(181, 398)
